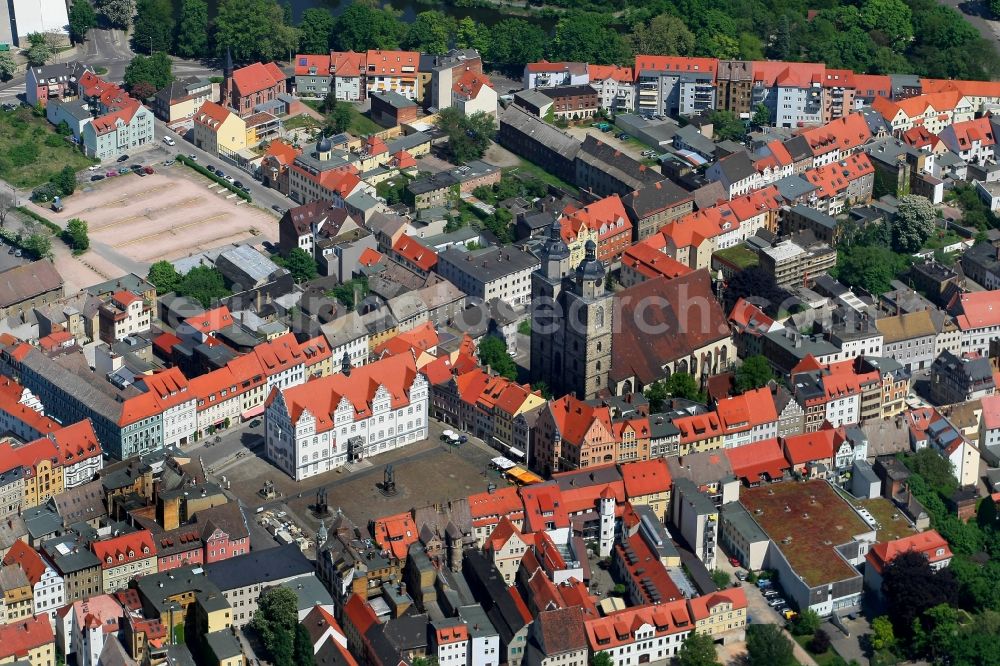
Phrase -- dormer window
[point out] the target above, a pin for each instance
(110, 560)
(121, 558)
(145, 550)
(131, 554)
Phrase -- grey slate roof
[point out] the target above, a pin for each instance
(259, 567)
(552, 138)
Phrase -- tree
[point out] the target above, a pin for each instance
(203, 284)
(935, 469)
(301, 265)
(727, 126)
(995, 8)
(253, 30)
(7, 66)
(806, 623)
(890, 19)
(468, 135)
(468, 35)
(81, 19)
(721, 579)
(339, 117)
(911, 587)
(6, 205)
(154, 26)
(870, 268)
(588, 37)
(882, 636)
(753, 374)
(365, 26)
(697, 650)
(148, 72)
(820, 642)
(513, 42)
(430, 32)
(302, 654)
(75, 235)
(767, 645)
(757, 286)
(39, 52)
(656, 394)
(275, 622)
(683, 385)
(117, 13)
(493, 352)
(761, 116)
(192, 31)
(665, 34)
(602, 658)
(315, 31)
(65, 180)
(38, 245)
(913, 224)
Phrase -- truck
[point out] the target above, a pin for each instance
(57, 205)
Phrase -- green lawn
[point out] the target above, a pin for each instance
(361, 125)
(300, 121)
(26, 159)
(739, 255)
(828, 658)
(936, 241)
(543, 175)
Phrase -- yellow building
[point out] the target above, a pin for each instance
(506, 547)
(31, 640)
(719, 612)
(576, 234)
(17, 594)
(647, 483)
(219, 131)
(224, 649)
(512, 401)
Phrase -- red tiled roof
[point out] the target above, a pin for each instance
(620, 628)
(396, 534)
(675, 64)
(487, 508)
(18, 638)
(543, 504)
(575, 418)
(991, 412)
(809, 447)
(646, 477)
(651, 263)
(966, 88)
(502, 533)
(322, 396)
(834, 178)
(646, 567)
(979, 309)
(10, 396)
(314, 65)
(282, 152)
(165, 389)
(847, 133)
(752, 461)
(927, 543)
(468, 85)
(77, 442)
(749, 318)
(125, 548)
(698, 427)
(24, 556)
(743, 412)
(257, 77)
(391, 63)
(417, 254)
(614, 72)
(347, 63)
(701, 607)
(962, 136)
(211, 115)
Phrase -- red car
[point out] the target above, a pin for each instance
(735, 562)
(111, 174)
(148, 169)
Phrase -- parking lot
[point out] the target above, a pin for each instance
(632, 149)
(172, 213)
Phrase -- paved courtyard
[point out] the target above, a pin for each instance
(427, 472)
(175, 212)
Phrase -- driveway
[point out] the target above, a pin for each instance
(763, 614)
(632, 150)
(849, 647)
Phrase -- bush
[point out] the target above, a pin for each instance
(820, 642)
(75, 235)
(183, 159)
(24, 154)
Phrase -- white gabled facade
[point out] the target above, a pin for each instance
(49, 593)
(328, 422)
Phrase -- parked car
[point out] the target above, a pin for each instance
(111, 174)
(122, 158)
(148, 170)
(229, 179)
(462, 439)
(167, 140)
(136, 167)
(770, 594)
(168, 163)
(220, 174)
(96, 178)
(239, 185)
(93, 167)
(774, 603)
(123, 171)
(140, 172)
(278, 209)
(17, 253)
(10, 251)
(734, 561)
(210, 168)
(255, 423)
(193, 157)
(741, 575)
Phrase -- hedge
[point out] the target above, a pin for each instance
(184, 159)
(48, 224)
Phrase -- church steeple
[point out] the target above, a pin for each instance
(227, 65)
